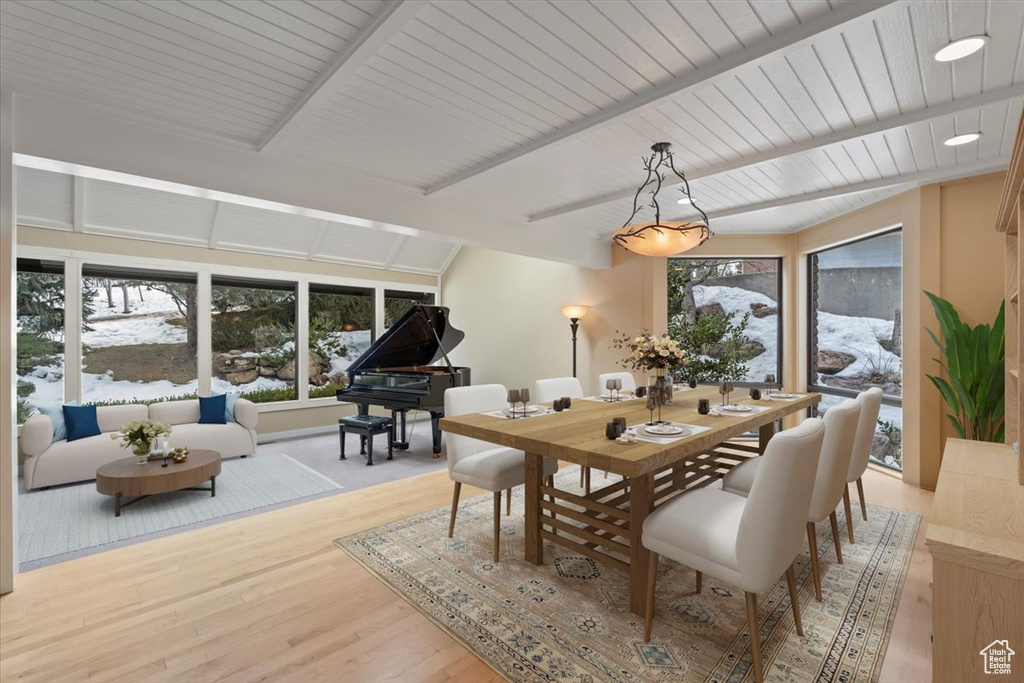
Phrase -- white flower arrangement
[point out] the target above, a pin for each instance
(650, 352)
(139, 434)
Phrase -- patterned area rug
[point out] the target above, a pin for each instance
(66, 519)
(569, 620)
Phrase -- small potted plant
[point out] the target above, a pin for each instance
(138, 435)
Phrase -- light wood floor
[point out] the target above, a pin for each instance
(270, 598)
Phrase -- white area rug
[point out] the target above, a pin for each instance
(73, 518)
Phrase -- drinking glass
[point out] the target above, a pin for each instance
(513, 399)
(652, 403)
(524, 396)
(566, 402)
(723, 389)
(609, 384)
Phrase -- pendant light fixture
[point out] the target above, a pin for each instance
(658, 237)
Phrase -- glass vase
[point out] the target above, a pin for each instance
(141, 450)
(660, 386)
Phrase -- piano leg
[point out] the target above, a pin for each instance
(435, 432)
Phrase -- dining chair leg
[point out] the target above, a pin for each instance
(834, 520)
(863, 505)
(583, 475)
(700, 581)
(508, 502)
(812, 541)
(652, 577)
(846, 509)
(794, 599)
(497, 524)
(586, 486)
(455, 508)
(755, 638)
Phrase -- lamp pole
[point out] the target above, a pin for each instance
(574, 324)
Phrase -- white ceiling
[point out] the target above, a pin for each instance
(783, 113)
(48, 199)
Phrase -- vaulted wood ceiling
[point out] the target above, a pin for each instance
(783, 113)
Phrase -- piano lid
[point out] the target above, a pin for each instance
(411, 340)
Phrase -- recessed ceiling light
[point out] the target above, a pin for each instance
(960, 48)
(962, 139)
(685, 200)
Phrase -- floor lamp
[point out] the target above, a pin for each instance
(574, 312)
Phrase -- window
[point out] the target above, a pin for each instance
(252, 330)
(340, 330)
(40, 342)
(397, 304)
(856, 331)
(726, 313)
(139, 335)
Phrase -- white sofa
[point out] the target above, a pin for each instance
(48, 463)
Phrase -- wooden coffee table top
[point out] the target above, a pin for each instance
(127, 477)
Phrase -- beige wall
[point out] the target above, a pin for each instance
(509, 306)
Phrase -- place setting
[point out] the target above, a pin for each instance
(727, 408)
(520, 408)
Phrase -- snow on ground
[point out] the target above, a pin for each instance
(130, 330)
(152, 301)
(736, 302)
(356, 343)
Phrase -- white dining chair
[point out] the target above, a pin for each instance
(749, 542)
(870, 405)
(628, 382)
(840, 431)
(546, 391)
(481, 464)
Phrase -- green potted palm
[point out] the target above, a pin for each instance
(973, 359)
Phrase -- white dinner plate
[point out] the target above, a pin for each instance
(736, 408)
(519, 411)
(783, 396)
(664, 430)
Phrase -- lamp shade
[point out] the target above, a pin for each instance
(667, 238)
(574, 311)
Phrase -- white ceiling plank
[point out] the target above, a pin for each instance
(727, 65)
(399, 243)
(214, 224)
(318, 238)
(851, 133)
(923, 178)
(78, 204)
(388, 20)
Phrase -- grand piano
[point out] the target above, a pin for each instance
(397, 371)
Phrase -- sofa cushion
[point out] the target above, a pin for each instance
(112, 418)
(55, 412)
(229, 406)
(227, 439)
(212, 409)
(81, 422)
(175, 412)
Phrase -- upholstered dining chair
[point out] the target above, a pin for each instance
(481, 464)
(840, 431)
(749, 542)
(547, 390)
(870, 404)
(628, 383)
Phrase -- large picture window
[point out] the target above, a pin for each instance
(726, 313)
(340, 329)
(397, 304)
(139, 335)
(856, 331)
(253, 338)
(40, 341)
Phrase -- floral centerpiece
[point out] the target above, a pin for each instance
(650, 353)
(138, 435)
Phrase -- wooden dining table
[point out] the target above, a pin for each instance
(606, 523)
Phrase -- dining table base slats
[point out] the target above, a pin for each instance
(592, 553)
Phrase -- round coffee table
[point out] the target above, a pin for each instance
(127, 478)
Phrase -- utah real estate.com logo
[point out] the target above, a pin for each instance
(997, 657)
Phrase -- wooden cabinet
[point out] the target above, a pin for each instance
(976, 540)
(1009, 221)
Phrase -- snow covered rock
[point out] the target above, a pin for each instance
(833, 362)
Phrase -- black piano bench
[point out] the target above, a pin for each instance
(367, 427)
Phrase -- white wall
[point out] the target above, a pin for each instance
(509, 306)
(8, 401)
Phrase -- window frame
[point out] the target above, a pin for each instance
(780, 327)
(812, 326)
(73, 261)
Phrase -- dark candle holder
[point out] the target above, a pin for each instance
(566, 402)
(703, 406)
(692, 383)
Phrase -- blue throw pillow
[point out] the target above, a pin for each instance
(229, 406)
(81, 422)
(212, 410)
(55, 412)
